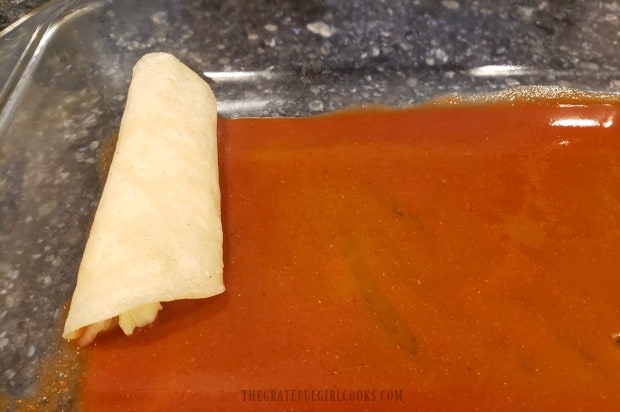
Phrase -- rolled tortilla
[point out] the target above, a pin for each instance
(157, 232)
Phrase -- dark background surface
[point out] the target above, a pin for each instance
(11, 10)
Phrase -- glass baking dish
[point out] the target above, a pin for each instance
(65, 69)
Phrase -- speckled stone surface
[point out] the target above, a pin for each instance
(11, 10)
(263, 58)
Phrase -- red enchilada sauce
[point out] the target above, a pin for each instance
(453, 257)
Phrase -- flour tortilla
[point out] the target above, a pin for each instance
(157, 232)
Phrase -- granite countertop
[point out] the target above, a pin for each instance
(328, 54)
(11, 10)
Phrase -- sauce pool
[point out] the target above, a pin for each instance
(446, 257)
